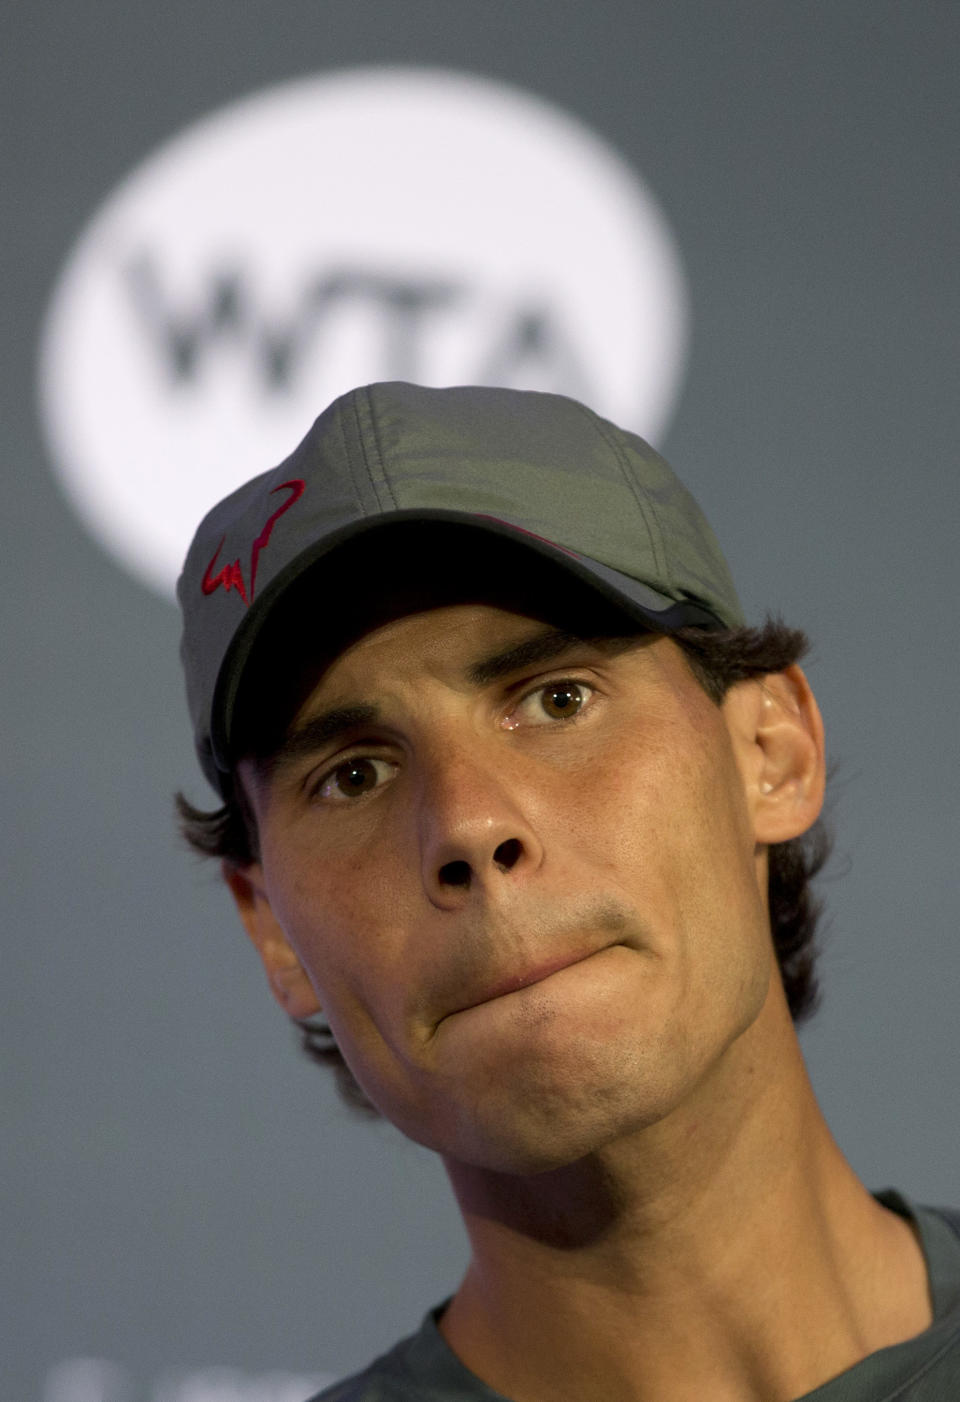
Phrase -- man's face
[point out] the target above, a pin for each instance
(521, 873)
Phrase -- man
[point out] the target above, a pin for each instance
(517, 812)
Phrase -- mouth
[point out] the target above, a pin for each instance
(513, 983)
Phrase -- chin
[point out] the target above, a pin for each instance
(528, 1128)
(524, 1158)
(550, 1093)
(525, 1152)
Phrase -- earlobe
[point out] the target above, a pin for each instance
(288, 981)
(786, 773)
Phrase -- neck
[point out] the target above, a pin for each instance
(728, 1251)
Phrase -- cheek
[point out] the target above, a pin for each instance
(350, 924)
(668, 793)
(668, 826)
(321, 914)
(353, 937)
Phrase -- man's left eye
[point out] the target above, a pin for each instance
(552, 702)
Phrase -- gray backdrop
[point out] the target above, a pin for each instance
(181, 1191)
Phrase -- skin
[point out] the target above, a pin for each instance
(530, 900)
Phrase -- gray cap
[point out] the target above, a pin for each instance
(529, 468)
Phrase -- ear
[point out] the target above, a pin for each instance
(778, 735)
(288, 981)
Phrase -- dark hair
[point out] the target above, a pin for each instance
(718, 660)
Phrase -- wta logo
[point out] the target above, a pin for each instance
(364, 225)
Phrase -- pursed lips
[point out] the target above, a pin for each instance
(512, 983)
(489, 960)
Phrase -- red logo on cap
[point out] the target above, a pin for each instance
(231, 576)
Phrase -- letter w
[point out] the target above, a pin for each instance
(182, 338)
(179, 337)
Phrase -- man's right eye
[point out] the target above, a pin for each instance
(353, 778)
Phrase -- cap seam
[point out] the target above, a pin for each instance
(341, 427)
(647, 512)
(380, 480)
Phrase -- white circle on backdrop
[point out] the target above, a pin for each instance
(367, 224)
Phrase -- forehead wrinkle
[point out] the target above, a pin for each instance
(542, 647)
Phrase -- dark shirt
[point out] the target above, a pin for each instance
(423, 1368)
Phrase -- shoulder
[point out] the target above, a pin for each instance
(374, 1384)
(384, 1380)
(420, 1368)
(950, 1215)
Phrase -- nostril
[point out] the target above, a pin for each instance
(508, 853)
(455, 874)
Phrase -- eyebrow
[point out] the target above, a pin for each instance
(542, 647)
(313, 734)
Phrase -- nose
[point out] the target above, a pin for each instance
(475, 826)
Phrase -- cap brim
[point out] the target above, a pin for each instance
(337, 559)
